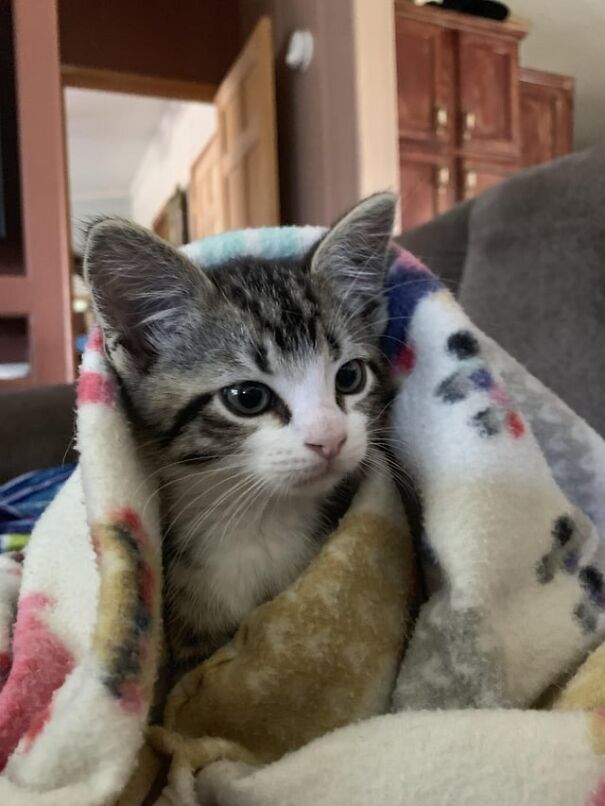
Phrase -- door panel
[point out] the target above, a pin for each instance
(205, 193)
(546, 123)
(489, 96)
(428, 187)
(425, 69)
(477, 176)
(246, 136)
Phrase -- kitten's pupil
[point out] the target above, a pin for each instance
(351, 377)
(248, 399)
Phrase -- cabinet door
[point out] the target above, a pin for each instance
(247, 135)
(546, 122)
(427, 187)
(205, 193)
(425, 70)
(476, 176)
(489, 96)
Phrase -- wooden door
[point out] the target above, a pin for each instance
(428, 187)
(476, 176)
(205, 194)
(546, 116)
(489, 95)
(246, 136)
(425, 71)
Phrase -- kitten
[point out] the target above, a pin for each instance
(260, 388)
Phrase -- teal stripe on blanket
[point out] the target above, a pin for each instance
(271, 243)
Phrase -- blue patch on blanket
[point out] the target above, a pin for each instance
(24, 499)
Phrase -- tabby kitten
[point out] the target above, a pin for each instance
(260, 387)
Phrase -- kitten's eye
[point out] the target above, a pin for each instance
(248, 399)
(351, 377)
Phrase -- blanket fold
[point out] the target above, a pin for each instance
(510, 484)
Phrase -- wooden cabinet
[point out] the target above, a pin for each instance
(205, 193)
(488, 99)
(234, 180)
(429, 186)
(546, 116)
(475, 176)
(468, 115)
(425, 73)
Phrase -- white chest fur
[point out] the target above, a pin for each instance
(234, 553)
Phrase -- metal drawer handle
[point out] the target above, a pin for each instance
(443, 179)
(470, 183)
(441, 119)
(470, 121)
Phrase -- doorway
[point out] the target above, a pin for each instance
(183, 168)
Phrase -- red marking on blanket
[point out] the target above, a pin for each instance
(41, 662)
(36, 727)
(499, 394)
(96, 388)
(148, 587)
(406, 359)
(515, 424)
(95, 341)
(132, 697)
(132, 520)
(598, 796)
(406, 260)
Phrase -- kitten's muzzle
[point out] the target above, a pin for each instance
(329, 447)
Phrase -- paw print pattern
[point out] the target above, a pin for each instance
(463, 345)
(473, 375)
(565, 556)
(588, 610)
(565, 552)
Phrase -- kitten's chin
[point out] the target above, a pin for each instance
(315, 483)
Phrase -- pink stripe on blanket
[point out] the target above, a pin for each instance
(96, 388)
(95, 341)
(407, 260)
(597, 798)
(41, 664)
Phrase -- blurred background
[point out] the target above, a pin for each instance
(200, 116)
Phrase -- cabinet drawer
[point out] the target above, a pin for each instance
(476, 176)
(428, 186)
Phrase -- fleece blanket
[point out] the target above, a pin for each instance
(495, 692)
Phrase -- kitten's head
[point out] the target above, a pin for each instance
(271, 369)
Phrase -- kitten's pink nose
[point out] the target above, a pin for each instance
(328, 446)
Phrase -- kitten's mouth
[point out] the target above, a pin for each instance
(309, 477)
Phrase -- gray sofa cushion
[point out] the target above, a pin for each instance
(442, 243)
(534, 277)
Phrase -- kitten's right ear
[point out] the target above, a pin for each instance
(142, 288)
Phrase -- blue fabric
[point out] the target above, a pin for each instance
(406, 286)
(24, 499)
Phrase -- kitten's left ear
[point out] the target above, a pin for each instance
(353, 254)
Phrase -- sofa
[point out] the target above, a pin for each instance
(526, 259)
